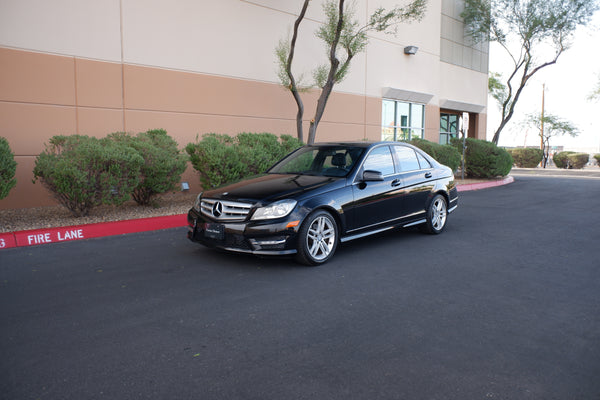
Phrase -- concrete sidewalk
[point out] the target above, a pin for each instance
(588, 172)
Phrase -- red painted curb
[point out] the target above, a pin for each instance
(68, 233)
(7, 240)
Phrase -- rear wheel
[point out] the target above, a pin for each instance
(317, 239)
(437, 214)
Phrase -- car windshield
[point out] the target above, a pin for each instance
(334, 161)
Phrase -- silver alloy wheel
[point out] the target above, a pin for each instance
(320, 238)
(438, 213)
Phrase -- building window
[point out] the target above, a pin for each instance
(402, 121)
(448, 127)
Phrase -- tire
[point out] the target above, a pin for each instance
(317, 239)
(437, 215)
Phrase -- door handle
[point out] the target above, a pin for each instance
(396, 182)
(428, 175)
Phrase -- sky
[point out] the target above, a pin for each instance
(568, 84)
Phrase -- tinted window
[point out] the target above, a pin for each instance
(328, 161)
(407, 158)
(425, 164)
(380, 159)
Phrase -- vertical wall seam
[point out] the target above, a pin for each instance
(365, 133)
(122, 66)
(76, 97)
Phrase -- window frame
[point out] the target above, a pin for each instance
(448, 134)
(403, 131)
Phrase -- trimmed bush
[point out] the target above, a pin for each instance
(442, 153)
(561, 159)
(215, 159)
(597, 157)
(526, 158)
(221, 159)
(83, 172)
(163, 162)
(259, 151)
(8, 168)
(484, 159)
(578, 160)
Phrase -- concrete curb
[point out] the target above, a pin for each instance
(36, 237)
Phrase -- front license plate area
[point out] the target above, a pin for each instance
(214, 231)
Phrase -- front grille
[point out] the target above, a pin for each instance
(222, 210)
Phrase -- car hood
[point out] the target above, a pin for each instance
(270, 187)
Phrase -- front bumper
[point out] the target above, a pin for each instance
(260, 238)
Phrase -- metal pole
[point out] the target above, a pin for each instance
(545, 156)
(464, 128)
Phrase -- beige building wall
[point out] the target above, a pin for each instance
(197, 66)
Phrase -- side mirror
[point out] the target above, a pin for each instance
(370, 175)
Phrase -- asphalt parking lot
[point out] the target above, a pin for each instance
(503, 305)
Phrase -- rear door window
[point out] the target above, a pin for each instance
(407, 158)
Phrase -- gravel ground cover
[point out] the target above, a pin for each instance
(13, 220)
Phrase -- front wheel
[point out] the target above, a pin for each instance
(317, 239)
(437, 214)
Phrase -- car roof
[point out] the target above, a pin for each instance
(363, 144)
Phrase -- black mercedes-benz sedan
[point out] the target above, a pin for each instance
(323, 194)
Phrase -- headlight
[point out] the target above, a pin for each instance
(197, 203)
(275, 210)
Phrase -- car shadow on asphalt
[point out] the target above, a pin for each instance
(345, 253)
(244, 261)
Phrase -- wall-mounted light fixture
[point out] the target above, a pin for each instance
(411, 50)
(185, 186)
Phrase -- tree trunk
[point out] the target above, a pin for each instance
(321, 103)
(524, 79)
(293, 88)
(299, 115)
(327, 89)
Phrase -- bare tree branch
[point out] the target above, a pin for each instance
(344, 39)
(293, 87)
(531, 23)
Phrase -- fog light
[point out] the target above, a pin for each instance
(268, 243)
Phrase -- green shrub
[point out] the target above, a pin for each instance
(221, 159)
(484, 159)
(215, 159)
(560, 159)
(8, 168)
(597, 157)
(259, 151)
(442, 153)
(163, 162)
(83, 172)
(288, 144)
(526, 158)
(578, 160)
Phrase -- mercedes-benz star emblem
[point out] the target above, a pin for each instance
(217, 209)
